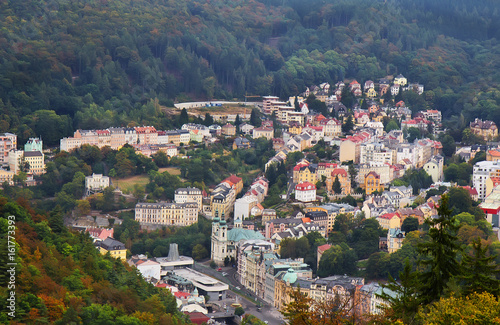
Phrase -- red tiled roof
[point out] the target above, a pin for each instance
(339, 171)
(304, 186)
(234, 179)
(388, 216)
(324, 248)
(181, 294)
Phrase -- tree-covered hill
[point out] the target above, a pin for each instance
(61, 278)
(107, 58)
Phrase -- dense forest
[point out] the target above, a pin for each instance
(68, 64)
(60, 278)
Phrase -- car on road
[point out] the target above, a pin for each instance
(237, 288)
(224, 273)
(219, 269)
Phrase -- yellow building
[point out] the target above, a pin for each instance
(115, 248)
(486, 129)
(389, 221)
(372, 183)
(371, 93)
(295, 128)
(6, 176)
(345, 181)
(304, 173)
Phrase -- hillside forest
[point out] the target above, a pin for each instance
(89, 64)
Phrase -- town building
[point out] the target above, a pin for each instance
(488, 130)
(434, 168)
(265, 132)
(228, 129)
(112, 246)
(96, 183)
(163, 213)
(305, 192)
(189, 195)
(481, 172)
(224, 240)
(372, 183)
(8, 142)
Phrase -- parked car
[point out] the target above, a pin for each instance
(219, 269)
(224, 273)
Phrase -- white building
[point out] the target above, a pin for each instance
(96, 183)
(242, 207)
(375, 152)
(189, 195)
(481, 172)
(305, 192)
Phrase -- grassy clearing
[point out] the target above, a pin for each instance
(171, 170)
(127, 184)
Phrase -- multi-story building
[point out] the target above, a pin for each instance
(372, 183)
(434, 168)
(389, 221)
(383, 170)
(400, 80)
(243, 206)
(350, 147)
(163, 213)
(267, 103)
(395, 239)
(147, 135)
(117, 137)
(225, 241)
(486, 129)
(228, 129)
(265, 132)
(305, 172)
(222, 199)
(6, 176)
(8, 142)
(103, 138)
(96, 183)
(32, 162)
(34, 144)
(344, 179)
(481, 172)
(189, 195)
(305, 192)
(432, 114)
(112, 246)
(375, 152)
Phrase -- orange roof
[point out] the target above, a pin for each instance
(494, 153)
(306, 220)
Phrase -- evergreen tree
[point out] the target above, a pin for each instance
(183, 118)
(209, 120)
(296, 104)
(336, 187)
(347, 97)
(237, 123)
(254, 118)
(439, 254)
(348, 125)
(402, 296)
(479, 270)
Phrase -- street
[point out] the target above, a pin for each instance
(242, 296)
